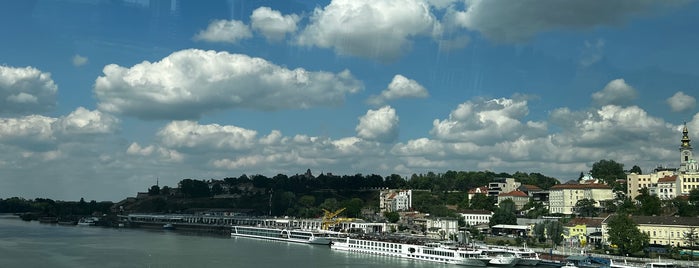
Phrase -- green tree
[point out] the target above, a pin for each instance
(690, 238)
(608, 171)
(636, 169)
(624, 233)
(554, 230)
(540, 232)
(153, 190)
(194, 188)
(354, 207)
(392, 216)
(586, 208)
(505, 214)
(650, 204)
(482, 201)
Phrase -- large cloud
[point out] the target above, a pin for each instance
(224, 31)
(26, 90)
(512, 21)
(616, 92)
(400, 87)
(272, 24)
(189, 135)
(189, 83)
(368, 28)
(681, 102)
(379, 125)
(487, 122)
(40, 133)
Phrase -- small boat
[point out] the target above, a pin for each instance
(88, 221)
(660, 264)
(612, 264)
(569, 265)
(168, 226)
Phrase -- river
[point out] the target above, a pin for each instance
(33, 244)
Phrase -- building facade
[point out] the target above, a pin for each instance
(476, 217)
(518, 197)
(564, 197)
(395, 200)
(501, 185)
(662, 230)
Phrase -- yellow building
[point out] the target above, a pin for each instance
(662, 230)
(577, 230)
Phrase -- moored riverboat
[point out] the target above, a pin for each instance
(431, 252)
(289, 235)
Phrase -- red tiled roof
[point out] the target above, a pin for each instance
(483, 189)
(530, 187)
(476, 211)
(581, 186)
(668, 179)
(515, 193)
(594, 222)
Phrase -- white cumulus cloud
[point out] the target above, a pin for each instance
(379, 125)
(272, 24)
(400, 87)
(84, 121)
(224, 31)
(487, 122)
(192, 136)
(681, 102)
(375, 29)
(189, 83)
(26, 90)
(616, 92)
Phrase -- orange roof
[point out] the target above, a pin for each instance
(483, 189)
(515, 193)
(530, 187)
(595, 222)
(668, 179)
(581, 186)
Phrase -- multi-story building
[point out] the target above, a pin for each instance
(662, 230)
(395, 200)
(518, 197)
(687, 175)
(476, 217)
(564, 197)
(635, 182)
(501, 185)
(667, 188)
(579, 231)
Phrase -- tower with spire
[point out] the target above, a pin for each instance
(685, 150)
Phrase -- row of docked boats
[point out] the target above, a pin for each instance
(431, 252)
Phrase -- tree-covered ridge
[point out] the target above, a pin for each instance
(434, 182)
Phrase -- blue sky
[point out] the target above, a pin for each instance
(98, 99)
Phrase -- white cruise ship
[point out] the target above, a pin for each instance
(289, 235)
(433, 252)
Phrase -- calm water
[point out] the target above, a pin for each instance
(31, 244)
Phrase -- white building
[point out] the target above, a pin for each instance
(395, 200)
(564, 197)
(476, 217)
(668, 187)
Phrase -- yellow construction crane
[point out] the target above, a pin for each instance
(330, 218)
